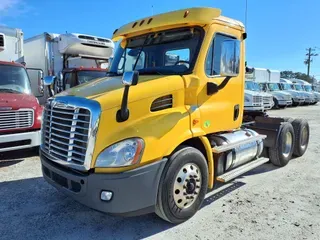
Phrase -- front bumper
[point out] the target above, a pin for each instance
(284, 102)
(298, 100)
(253, 108)
(20, 140)
(134, 191)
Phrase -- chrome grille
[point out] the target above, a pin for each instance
(267, 100)
(257, 99)
(65, 132)
(16, 119)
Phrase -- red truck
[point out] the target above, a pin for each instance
(20, 111)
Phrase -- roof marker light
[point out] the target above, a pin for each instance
(186, 13)
(141, 22)
(149, 21)
(134, 24)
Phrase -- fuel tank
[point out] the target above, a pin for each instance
(242, 153)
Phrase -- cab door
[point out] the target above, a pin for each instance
(222, 98)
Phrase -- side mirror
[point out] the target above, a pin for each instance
(40, 82)
(230, 58)
(48, 80)
(60, 76)
(130, 78)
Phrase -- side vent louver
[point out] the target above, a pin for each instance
(161, 103)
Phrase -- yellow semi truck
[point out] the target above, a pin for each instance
(166, 124)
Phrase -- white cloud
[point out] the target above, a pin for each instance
(6, 5)
(12, 8)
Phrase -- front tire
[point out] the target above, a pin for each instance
(183, 185)
(281, 154)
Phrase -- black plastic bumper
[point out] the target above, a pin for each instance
(134, 191)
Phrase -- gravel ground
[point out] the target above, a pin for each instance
(266, 203)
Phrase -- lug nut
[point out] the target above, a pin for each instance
(195, 193)
(195, 176)
(197, 186)
(197, 180)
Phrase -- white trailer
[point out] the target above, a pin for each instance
(274, 76)
(65, 55)
(11, 44)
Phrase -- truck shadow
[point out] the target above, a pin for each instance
(35, 210)
(14, 157)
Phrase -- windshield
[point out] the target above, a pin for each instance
(298, 87)
(285, 86)
(167, 52)
(308, 88)
(273, 86)
(14, 79)
(86, 76)
(249, 85)
(292, 86)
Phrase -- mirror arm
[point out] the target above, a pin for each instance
(213, 88)
(123, 113)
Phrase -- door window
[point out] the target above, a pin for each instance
(212, 65)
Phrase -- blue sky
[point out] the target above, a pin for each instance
(279, 31)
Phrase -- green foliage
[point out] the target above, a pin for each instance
(290, 74)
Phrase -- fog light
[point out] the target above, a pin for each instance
(106, 195)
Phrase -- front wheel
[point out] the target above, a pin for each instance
(183, 185)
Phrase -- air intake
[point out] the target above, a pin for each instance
(2, 42)
(161, 103)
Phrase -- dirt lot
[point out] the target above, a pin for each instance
(266, 203)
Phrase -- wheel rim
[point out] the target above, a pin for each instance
(287, 146)
(304, 137)
(187, 185)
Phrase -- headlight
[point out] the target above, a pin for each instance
(247, 99)
(124, 153)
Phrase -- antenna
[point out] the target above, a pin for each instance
(152, 9)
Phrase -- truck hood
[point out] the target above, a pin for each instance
(292, 92)
(109, 91)
(17, 101)
(252, 93)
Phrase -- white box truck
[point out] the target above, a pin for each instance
(72, 57)
(269, 81)
(252, 89)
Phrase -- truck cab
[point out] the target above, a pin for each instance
(20, 111)
(309, 98)
(253, 100)
(297, 96)
(155, 135)
(267, 98)
(281, 99)
(72, 77)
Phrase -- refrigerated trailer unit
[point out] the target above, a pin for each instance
(11, 44)
(65, 55)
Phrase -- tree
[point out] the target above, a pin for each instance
(290, 74)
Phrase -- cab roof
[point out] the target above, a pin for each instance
(189, 16)
(11, 63)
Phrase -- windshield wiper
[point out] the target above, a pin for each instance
(140, 51)
(8, 90)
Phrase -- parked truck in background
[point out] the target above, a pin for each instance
(269, 83)
(252, 85)
(307, 87)
(161, 139)
(20, 111)
(73, 58)
(298, 97)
